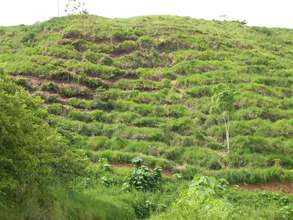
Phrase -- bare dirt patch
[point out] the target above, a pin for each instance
(286, 187)
(121, 165)
(37, 82)
(121, 52)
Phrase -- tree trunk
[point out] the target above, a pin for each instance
(226, 121)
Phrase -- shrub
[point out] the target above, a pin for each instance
(81, 116)
(121, 35)
(202, 200)
(29, 38)
(57, 109)
(144, 179)
(92, 56)
(24, 83)
(50, 87)
(145, 42)
(34, 158)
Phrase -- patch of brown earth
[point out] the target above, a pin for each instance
(121, 52)
(121, 165)
(286, 187)
(38, 81)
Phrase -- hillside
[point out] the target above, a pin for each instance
(143, 86)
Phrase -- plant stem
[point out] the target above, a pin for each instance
(226, 121)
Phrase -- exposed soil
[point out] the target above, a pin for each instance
(121, 165)
(286, 187)
(167, 173)
(47, 96)
(106, 40)
(121, 52)
(131, 75)
(38, 81)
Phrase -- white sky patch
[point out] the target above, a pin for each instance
(271, 13)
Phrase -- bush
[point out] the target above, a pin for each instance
(92, 56)
(50, 87)
(202, 200)
(144, 179)
(122, 35)
(34, 158)
(81, 116)
(145, 42)
(57, 109)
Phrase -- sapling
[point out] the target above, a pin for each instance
(223, 104)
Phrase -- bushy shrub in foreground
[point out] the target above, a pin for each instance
(143, 178)
(202, 200)
(33, 157)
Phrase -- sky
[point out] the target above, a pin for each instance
(270, 13)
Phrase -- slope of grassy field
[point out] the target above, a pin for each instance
(122, 88)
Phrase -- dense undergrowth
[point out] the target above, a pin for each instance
(116, 89)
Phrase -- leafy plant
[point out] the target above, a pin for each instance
(202, 200)
(143, 178)
(223, 103)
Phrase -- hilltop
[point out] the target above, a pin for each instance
(122, 88)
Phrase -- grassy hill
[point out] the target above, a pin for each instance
(121, 88)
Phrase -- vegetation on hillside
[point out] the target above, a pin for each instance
(177, 96)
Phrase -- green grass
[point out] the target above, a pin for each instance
(142, 86)
(151, 78)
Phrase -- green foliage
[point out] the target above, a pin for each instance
(253, 175)
(57, 109)
(202, 200)
(223, 103)
(159, 86)
(33, 155)
(223, 99)
(154, 87)
(144, 179)
(260, 205)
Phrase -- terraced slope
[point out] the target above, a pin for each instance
(118, 88)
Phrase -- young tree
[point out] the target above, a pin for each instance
(223, 104)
